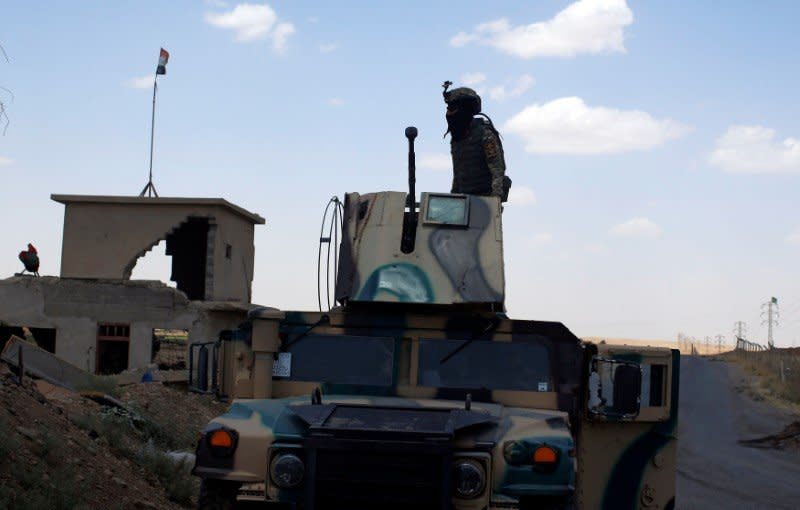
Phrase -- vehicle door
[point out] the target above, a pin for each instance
(628, 425)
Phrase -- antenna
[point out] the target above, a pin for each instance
(333, 218)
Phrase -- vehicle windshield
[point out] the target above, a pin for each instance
(340, 359)
(523, 366)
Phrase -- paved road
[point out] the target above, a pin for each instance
(714, 471)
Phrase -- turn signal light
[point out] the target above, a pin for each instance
(220, 439)
(545, 455)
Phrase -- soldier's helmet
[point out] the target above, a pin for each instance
(463, 97)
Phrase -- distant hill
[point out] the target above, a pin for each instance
(671, 344)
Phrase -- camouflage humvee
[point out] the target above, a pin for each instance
(419, 392)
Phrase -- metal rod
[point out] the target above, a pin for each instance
(21, 363)
(150, 187)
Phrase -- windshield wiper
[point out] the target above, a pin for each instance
(493, 323)
(323, 318)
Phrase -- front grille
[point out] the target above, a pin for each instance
(390, 480)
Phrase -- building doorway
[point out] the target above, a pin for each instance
(113, 346)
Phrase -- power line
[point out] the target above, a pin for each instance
(770, 314)
(740, 330)
(720, 340)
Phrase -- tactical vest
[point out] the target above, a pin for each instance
(470, 172)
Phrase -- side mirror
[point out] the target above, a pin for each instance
(615, 388)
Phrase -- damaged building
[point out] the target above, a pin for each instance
(95, 317)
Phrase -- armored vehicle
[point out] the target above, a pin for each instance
(418, 392)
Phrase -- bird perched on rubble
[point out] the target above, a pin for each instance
(30, 259)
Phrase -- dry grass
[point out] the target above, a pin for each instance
(778, 371)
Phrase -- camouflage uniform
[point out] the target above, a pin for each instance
(478, 162)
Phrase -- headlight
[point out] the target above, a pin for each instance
(469, 478)
(222, 441)
(545, 459)
(287, 470)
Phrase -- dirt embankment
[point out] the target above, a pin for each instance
(63, 451)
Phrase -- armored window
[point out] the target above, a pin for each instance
(654, 383)
(522, 366)
(447, 210)
(356, 360)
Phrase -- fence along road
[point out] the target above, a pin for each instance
(714, 470)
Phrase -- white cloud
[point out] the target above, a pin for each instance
(568, 126)
(336, 101)
(142, 82)
(328, 47)
(583, 27)
(472, 79)
(462, 39)
(541, 239)
(521, 196)
(251, 22)
(637, 228)
(280, 35)
(5, 161)
(433, 161)
(793, 237)
(519, 87)
(754, 149)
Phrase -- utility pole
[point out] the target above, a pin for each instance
(720, 341)
(708, 345)
(740, 330)
(770, 314)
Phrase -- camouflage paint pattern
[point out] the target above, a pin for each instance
(450, 263)
(450, 287)
(614, 464)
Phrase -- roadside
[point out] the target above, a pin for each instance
(775, 375)
(717, 471)
(59, 449)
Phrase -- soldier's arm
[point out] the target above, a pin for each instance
(495, 160)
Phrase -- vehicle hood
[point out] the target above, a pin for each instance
(291, 419)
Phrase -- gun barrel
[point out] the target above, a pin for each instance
(411, 200)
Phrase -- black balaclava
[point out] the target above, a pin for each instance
(459, 115)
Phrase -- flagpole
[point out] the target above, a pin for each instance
(150, 188)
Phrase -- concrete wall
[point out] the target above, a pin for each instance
(75, 307)
(105, 236)
(232, 277)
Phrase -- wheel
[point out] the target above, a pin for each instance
(217, 495)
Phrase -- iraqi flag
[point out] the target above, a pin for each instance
(163, 58)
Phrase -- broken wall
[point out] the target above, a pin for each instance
(105, 236)
(75, 308)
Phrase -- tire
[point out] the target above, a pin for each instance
(217, 495)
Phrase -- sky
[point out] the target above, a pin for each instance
(654, 146)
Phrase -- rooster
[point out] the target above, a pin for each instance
(30, 259)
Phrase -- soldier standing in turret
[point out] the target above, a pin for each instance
(479, 167)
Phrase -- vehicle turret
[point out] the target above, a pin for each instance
(447, 249)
